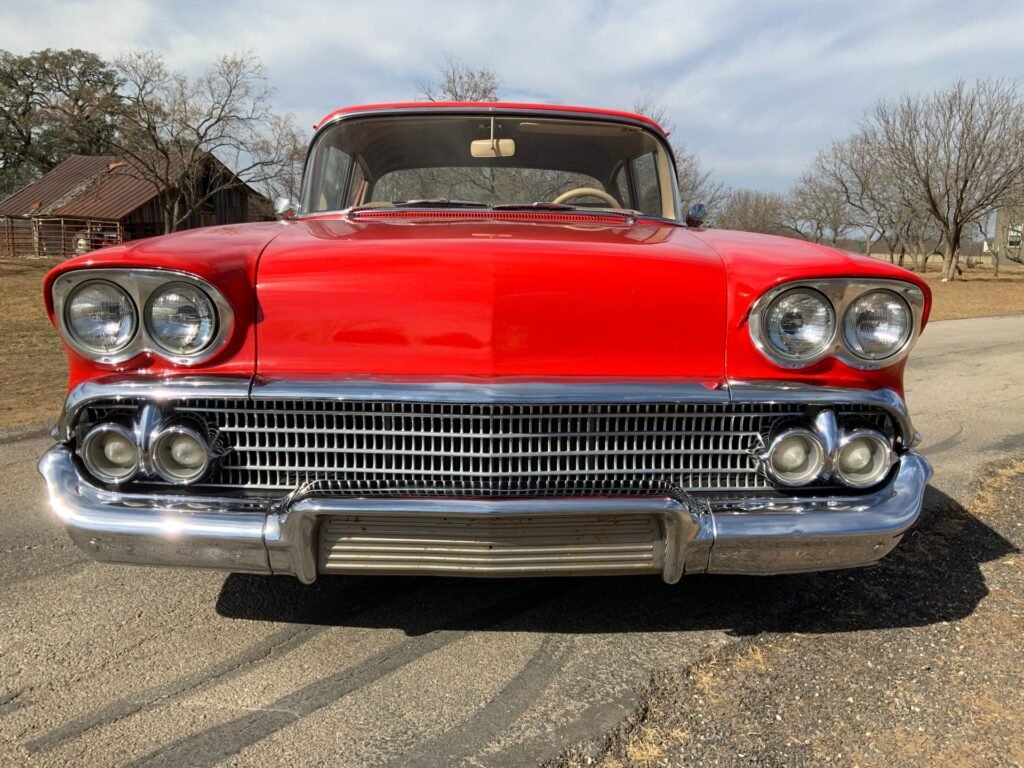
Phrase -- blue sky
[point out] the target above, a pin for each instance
(755, 88)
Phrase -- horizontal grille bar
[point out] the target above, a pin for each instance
(374, 448)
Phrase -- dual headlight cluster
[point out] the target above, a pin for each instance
(112, 315)
(868, 324)
(178, 452)
(858, 458)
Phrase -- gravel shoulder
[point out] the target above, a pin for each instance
(896, 668)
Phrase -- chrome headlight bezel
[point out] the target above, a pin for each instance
(140, 285)
(841, 292)
(150, 321)
(846, 331)
(67, 322)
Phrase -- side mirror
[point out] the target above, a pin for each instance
(285, 208)
(695, 215)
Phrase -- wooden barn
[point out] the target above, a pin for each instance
(89, 202)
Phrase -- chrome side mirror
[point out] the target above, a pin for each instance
(285, 208)
(695, 215)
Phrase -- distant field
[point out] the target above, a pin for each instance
(978, 294)
(33, 372)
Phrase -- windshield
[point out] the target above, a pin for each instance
(489, 160)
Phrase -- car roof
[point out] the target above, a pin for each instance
(491, 106)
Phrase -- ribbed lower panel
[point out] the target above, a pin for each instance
(569, 545)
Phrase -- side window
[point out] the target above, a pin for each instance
(1013, 236)
(645, 179)
(334, 172)
(620, 187)
(357, 194)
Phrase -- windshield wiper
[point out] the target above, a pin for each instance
(438, 202)
(540, 206)
(546, 206)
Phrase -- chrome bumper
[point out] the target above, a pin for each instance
(743, 536)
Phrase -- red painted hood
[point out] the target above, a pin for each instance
(483, 298)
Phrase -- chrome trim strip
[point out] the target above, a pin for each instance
(477, 391)
(141, 284)
(153, 389)
(493, 391)
(841, 292)
(814, 395)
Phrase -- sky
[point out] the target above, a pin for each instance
(754, 88)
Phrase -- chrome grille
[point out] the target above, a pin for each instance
(488, 449)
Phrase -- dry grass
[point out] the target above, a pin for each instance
(33, 370)
(978, 294)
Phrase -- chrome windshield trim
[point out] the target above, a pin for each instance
(506, 390)
(525, 111)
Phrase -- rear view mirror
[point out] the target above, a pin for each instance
(492, 147)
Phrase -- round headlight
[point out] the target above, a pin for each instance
(180, 454)
(100, 316)
(799, 324)
(877, 325)
(795, 457)
(181, 318)
(864, 458)
(110, 452)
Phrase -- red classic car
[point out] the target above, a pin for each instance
(485, 341)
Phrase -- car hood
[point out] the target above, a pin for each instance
(481, 298)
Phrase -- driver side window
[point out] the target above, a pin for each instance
(645, 180)
(334, 172)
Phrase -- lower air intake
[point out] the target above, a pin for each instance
(568, 545)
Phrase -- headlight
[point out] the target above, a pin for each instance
(181, 318)
(799, 324)
(100, 317)
(877, 325)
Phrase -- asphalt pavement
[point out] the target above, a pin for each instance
(110, 665)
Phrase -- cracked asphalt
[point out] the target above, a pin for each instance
(106, 665)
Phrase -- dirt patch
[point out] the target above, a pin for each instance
(903, 667)
(978, 294)
(33, 369)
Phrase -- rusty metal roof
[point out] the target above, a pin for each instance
(83, 186)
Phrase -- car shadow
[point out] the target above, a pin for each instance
(934, 575)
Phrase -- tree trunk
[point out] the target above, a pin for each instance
(903, 255)
(951, 257)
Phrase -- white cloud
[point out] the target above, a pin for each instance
(754, 88)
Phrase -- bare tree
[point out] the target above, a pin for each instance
(957, 153)
(458, 82)
(696, 184)
(754, 211)
(816, 209)
(851, 169)
(194, 138)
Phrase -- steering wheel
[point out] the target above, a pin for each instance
(587, 192)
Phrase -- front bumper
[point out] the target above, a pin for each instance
(743, 536)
